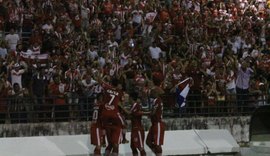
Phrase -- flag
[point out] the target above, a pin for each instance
(41, 58)
(182, 90)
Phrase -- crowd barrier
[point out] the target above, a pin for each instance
(180, 142)
(29, 109)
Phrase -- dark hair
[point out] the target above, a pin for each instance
(114, 81)
(134, 95)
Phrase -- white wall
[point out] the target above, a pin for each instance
(180, 142)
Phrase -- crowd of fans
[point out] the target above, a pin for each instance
(57, 49)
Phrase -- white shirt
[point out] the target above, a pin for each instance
(155, 52)
(101, 61)
(47, 27)
(16, 76)
(92, 54)
(3, 52)
(231, 84)
(124, 59)
(12, 40)
(90, 84)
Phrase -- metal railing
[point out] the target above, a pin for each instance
(32, 110)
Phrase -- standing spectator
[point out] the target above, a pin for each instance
(242, 85)
(3, 50)
(155, 52)
(137, 20)
(12, 39)
(137, 130)
(3, 17)
(194, 97)
(156, 132)
(16, 74)
(28, 21)
(5, 86)
(47, 27)
(88, 89)
(209, 94)
(3, 68)
(107, 8)
(88, 84)
(230, 89)
(85, 13)
(39, 85)
(57, 90)
(17, 107)
(73, 77)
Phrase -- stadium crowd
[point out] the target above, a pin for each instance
(57, 49)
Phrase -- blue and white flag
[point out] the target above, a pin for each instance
(182, 90)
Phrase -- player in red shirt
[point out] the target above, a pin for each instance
(156, 132)
(112, 120)
(137, 130)
(97, 136)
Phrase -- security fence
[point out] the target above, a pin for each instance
(55, 109)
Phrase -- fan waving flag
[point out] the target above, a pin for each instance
(41, 58)
(182, 90)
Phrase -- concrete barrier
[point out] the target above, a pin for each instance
(180, 142)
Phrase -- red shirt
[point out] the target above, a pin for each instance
(57, 91)
(111, 99)
(96, 116)
(108, 8)
(136, 115)
(157, 107)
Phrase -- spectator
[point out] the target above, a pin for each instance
(5, 87)
(3, 68)
(16, 74)
(204, 34)
(244, 74)
(155, 52)
(39, 88)
(57, 90)
(73, 78)
(230, 89)
(88, 84)
(18, 108)
(47, 27)
(12, 39)
(3, 50)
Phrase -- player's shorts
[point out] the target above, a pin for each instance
(156, 133)
(137, 138)
(112, 119)
(114, 134)
(96, 135)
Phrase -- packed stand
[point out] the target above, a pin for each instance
(52, 51)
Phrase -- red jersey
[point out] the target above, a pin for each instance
(111, 99)
(157, 107)
(96, 119)
(97, 137)
(136, 115)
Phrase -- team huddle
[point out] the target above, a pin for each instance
(108, 121)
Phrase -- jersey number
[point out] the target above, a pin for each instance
(111, 100)
(95, 115)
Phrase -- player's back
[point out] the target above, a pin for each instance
(111, 98)
(136, 119)
(158, 107)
